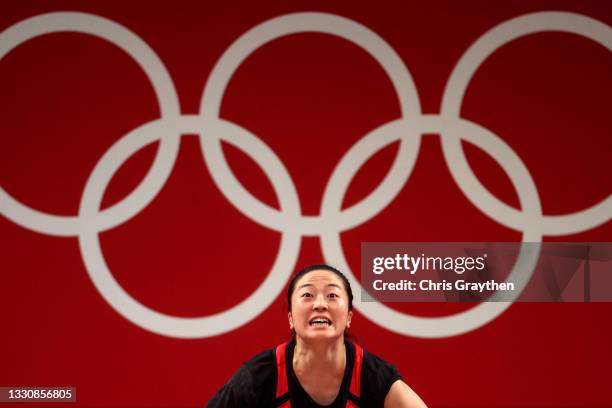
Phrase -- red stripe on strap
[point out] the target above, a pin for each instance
(350, 404)
(282, 387)
(356, 378)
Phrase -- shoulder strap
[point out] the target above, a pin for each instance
(355, 388)
(282, 386)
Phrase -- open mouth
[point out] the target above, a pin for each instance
(320, 322)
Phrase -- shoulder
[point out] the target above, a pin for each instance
(260, 364)
(378, 369)
(402, 396)
(255, 372)
(253, 381)
(377, 377)
(382, 385)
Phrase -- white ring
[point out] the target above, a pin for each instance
(451, 107)
(435, 327)
(126, 305)
(162, 85)
(278, 27)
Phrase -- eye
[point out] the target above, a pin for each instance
(333, 295)
(306, 294)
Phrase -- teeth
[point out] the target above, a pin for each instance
(320, 322)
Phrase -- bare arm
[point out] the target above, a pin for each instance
(400, 395)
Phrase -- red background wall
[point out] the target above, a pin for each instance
(67, 98)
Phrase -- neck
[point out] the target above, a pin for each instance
(319, 357)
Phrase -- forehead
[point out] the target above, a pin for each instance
(320, 277)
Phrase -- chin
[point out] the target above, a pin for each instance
(321, 335)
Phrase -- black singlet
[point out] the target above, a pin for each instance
(254, 384)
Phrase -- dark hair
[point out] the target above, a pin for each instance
(304, 271)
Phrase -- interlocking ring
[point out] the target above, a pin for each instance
(289, 221)
(164, 89)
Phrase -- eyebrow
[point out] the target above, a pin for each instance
(310, 284)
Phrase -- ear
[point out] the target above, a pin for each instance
(290, 320)
(350, 317)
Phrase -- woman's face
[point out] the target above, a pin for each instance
(319, 306)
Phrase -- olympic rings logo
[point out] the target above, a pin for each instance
(289, 221)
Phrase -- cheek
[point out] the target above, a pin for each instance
(342, 305)
(299, 313)
(341, 310)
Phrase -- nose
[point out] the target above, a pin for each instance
(320, 303)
